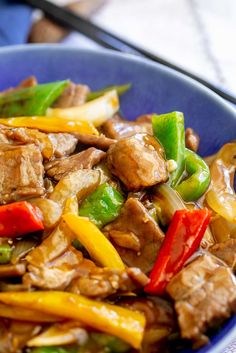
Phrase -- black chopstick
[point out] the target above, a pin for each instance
(109, 40)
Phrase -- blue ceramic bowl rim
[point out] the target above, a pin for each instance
(228, 332)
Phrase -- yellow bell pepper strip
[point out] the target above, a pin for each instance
(119, 89)
(45, 124)
(25, 314)
(94, 241)
(118, 321)
(31, 100)
(96, 111)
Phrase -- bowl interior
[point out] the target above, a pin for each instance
(154, 89)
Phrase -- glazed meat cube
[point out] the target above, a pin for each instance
(137, 161)
(21, 175)
(205, 295)
(136, 235)
(84, 160)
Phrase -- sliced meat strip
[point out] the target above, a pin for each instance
(30, 81)
(101, 142)
(84, 160)
(160, 320)
(136, 236)
(9, 270)
(99, 282)
(54, 144)
(56, 274)
(73, 96)
(205, 295)
(226, 251)
(192, 139)
(21, 175)
(27, 136)
(63, 144)
(64, 267)
(137, 161)
(117, 128)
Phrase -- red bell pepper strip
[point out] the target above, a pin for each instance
(182, 239)
(19, 218)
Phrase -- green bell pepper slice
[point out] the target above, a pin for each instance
(54, 349)
(169, 131)
(198, 180)
(5, 253)
(31, 101)
(110, 343)
(119, 89)
(102, 206)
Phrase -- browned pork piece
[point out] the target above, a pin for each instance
(15, 334)
(226, 251)
(87, 159)
(30, 81)
(21, 173)
(56, 274)
(137, 161)
(136, 235)
(192, 139)
(64, 267)
(57, 144)
(101, 141)
(205, 295)
(160, 320)
(73, 96)
(97, 282)
(63, 144)
(117, 128)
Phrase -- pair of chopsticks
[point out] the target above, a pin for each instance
(109, 40)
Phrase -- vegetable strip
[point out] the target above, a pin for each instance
(182, 239)
(97, 245)
(121, 322)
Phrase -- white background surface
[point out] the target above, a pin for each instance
(199, 35)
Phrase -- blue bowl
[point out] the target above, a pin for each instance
(155, 89)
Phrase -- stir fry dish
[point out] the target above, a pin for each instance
(115, 235)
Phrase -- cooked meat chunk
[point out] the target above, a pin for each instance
(99, 282)
(19, 332)
(56, 274)
(30, 81)
(27, 136)
(192, 139)
(226, 252)
(10, 270)
(101, 142)
(3, 137)
(84, 160)
(79, 183)
(160, 320)
(73, 96)
(136, 236)
(21, 175)
(55, 144)
(205, 295)
(117, 128)
(63, 144)
(137, 161)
